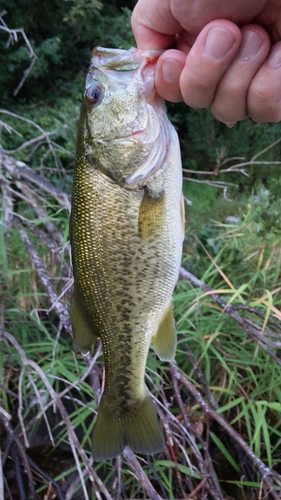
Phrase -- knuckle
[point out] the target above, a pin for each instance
(264, 104)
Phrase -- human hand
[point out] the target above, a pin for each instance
(234, 71)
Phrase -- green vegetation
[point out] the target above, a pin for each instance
(220, 402)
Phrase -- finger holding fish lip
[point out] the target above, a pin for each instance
(231, 100)
(264, 99)
(202, 65)
(233, 83)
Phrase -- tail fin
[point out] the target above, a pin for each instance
(138, 428)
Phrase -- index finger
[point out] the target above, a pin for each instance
(153, 24)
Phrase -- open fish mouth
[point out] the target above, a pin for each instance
(113, 61)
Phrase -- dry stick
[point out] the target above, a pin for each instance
(215, 490)
(8, 205)
(64, 317)
(249, 328)
(73, 440)
(234, 168)
(253, 332)
(13, 36)
(5, 418)
(34, 124)
(48, 478)
(143, 479)
(41, 269)
(34, 200)
(73, 486)
(198, 488)
(238, 167)
(20, 171)
(263, 470)
(40, 139)
(260, 314)
(200, 376)
(189, 433)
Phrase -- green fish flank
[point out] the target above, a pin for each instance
(126, 233)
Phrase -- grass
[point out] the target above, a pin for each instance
(220, 397)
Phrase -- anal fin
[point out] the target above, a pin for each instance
(84, 335)
(164, 341)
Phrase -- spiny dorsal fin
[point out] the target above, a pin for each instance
(164, 341)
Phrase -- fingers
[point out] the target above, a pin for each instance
(232, 71)
(264, 97)
(234, 92)
(206, 62)
(167, 77)
(153, 24)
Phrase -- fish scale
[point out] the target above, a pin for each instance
(126, 247)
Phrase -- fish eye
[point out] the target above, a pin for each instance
(94, 94)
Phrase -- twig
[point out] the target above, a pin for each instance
(237, 167)
(188, 433)
(13, 37)
(73, 440)
(200, 376)
(34, 124)
(265, 472)
(47, 477)
(142, 477)
(20, 171)
(249, 327)
(5, 419)
(35, 140)
(60, 309)
(210, 477)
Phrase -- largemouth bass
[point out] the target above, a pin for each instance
(126, 234)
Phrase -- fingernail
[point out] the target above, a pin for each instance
(171, 70)
(250, 45)
(274, 60)
(218, 43)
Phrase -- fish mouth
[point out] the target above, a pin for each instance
(128, 66)
(124, 60)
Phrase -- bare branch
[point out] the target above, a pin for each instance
(73, 440)
(236, 167)
(12, 38)
(19, 170)
(265, 472)
(254, 331)
(142, 477)
(60, 309)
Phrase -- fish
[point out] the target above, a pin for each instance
(126, 232)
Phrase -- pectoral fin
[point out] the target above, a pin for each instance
(84, 335)
(164, 341)
(152, 211)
